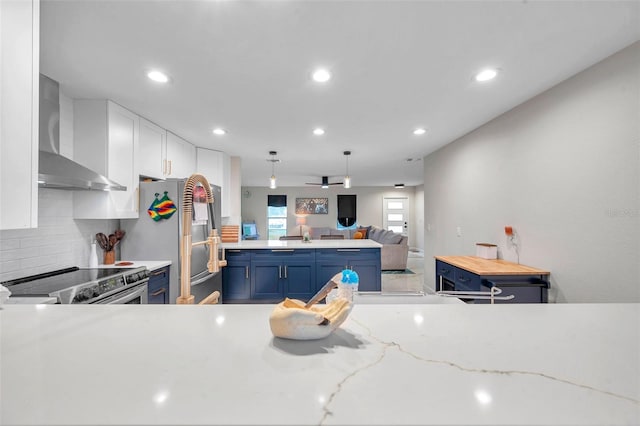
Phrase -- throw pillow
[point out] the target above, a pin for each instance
(358, 235)
(364, 231)
(392, 238)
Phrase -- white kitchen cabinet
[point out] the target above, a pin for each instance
(19, 97)
(180, 157)
(216, 167)
(106, 141)
(153, 150)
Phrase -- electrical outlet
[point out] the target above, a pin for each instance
(459, 231)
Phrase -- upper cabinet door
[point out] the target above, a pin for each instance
(106, 139)
(181, 157)
(19, 97)
(153, 140)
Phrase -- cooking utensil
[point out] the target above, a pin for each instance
(102, 241)
(112, 241)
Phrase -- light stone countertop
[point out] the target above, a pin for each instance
(388, 364)
(298, 244)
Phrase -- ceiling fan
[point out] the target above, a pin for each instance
(325, 182)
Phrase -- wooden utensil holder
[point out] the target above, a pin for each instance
(109, 257)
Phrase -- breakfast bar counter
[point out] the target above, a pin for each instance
(387, 364)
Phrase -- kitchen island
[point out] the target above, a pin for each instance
(387, 364)
(267, 271)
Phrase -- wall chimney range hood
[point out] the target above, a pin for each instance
(54, 170)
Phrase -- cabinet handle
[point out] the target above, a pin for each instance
(246, 272)
(137, 199)
(164, 166)
(285, 271)
(159, 292)
(348, 250)
(156, 273)
(463, 279)
(279, 271)
(170, 167)
(280, 250)
(233, 250)
(445, 271)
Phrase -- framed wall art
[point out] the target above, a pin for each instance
(312, 205)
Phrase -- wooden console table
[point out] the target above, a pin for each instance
(470, 273)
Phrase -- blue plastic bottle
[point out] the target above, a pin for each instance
(348, 286)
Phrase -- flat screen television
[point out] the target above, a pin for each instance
(249, 231)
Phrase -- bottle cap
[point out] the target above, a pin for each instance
(350, 277)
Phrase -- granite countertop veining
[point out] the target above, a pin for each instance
(387, 364)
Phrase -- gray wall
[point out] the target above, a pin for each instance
(369, 206)
(563, 170)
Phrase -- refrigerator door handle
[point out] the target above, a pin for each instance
(201, 280)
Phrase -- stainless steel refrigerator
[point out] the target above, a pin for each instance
(147, 239)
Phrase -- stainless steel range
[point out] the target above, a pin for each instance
(87, 286)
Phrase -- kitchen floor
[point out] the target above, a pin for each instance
(408, 283)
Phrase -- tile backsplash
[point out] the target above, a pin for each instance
(59, 241)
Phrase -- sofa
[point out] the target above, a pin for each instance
(395, 247)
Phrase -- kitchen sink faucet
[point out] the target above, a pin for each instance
(213, 241)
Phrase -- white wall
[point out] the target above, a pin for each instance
(419, 217)
(368, 206)
(563, 170)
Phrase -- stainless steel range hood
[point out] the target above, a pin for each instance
(54, 170)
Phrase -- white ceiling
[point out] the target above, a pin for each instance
(245, 66)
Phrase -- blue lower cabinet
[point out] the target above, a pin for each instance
(158, 286)
(466, 281)
(369, 273)
(366, 262)
(236, 283)
(266, 280)
(280, 273)
(300, 280)
(270, 275)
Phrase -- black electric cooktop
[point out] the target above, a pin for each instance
(54, 281)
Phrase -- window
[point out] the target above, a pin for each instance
(346, 211)
(276, 216)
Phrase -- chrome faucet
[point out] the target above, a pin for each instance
(213, 241)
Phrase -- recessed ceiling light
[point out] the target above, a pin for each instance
(399, 185)
(420, 131)
(321, 75)
(318, 131)
(219, 131)
(158, 76)
(486, 75)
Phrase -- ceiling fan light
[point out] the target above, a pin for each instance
(347, 182)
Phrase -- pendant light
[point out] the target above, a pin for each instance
(273, 160)
(347, 178)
